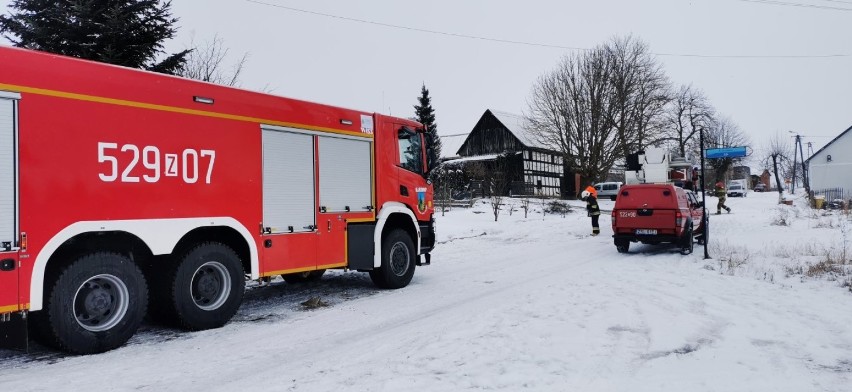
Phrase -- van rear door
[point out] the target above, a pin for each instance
(646, 210)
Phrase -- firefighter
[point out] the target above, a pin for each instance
(593, 210)
(722, 194)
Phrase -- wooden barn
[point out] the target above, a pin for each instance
(505, 158)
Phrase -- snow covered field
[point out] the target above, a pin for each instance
(532, 304)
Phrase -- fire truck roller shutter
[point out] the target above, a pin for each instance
(8, 182)
(288, 181)
(9, 293)
(344, 178)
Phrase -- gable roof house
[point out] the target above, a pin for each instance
(503, 156)
(830, 168)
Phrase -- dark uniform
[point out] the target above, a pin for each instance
(594, 211)
(722, 194)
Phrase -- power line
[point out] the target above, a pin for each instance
(536, 44)
(803, 5)
(506, 41)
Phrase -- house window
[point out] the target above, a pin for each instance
(538, 184)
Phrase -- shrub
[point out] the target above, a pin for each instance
(557, 207)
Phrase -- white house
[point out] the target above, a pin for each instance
(830, 168)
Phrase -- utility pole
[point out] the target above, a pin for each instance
(797, 149)
(805, 180)
(704, 221)
(793, 182)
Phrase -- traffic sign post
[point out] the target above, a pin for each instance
(728, 152)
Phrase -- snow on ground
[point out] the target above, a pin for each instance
(524, 303)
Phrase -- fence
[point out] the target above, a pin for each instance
(834, 197)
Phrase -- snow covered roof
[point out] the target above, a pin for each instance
(486, 157)
(450, 144)
(517, 125)
(829, 143)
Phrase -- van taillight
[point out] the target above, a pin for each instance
(613, 218)
(678, 219)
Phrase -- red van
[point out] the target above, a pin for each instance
(654, 214)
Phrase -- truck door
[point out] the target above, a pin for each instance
(9, 298)
(411, 171)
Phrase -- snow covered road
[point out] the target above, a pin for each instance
(530, 304)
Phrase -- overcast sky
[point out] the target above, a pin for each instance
(369, 65)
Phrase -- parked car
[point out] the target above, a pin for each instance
(737, 190)
(607, 189)
(760, 188)
(657, 213)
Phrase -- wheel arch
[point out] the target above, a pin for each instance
(394, 215)
(154, 236)
(225, 235)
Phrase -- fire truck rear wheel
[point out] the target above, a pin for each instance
(96, 304)
(398, 261)
(301, 277)
(206, 287)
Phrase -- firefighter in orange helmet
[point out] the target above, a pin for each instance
(591, 189)
(593, 210)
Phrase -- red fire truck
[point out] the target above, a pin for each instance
(124, 192)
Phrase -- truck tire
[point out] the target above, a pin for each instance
(686, 243)
(94, 305)
(398, 261)
(302, 277)
(206, 287)
(622, 246)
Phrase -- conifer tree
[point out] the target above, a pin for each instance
(425, 114)
(122, 32)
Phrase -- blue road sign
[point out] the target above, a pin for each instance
(729, 152)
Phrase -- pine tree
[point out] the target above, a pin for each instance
(426, 116)
(122, 32)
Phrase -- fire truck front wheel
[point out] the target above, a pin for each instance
(94, 305)
(206, 287)
(398, 261)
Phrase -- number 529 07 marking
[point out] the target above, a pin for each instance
(183, 165)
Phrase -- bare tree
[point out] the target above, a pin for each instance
(569, 111)
(498, 177)
(777, 159)
(724, 132)
(207, 63)
(688, 113)
(639, 94)
(525, 205)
